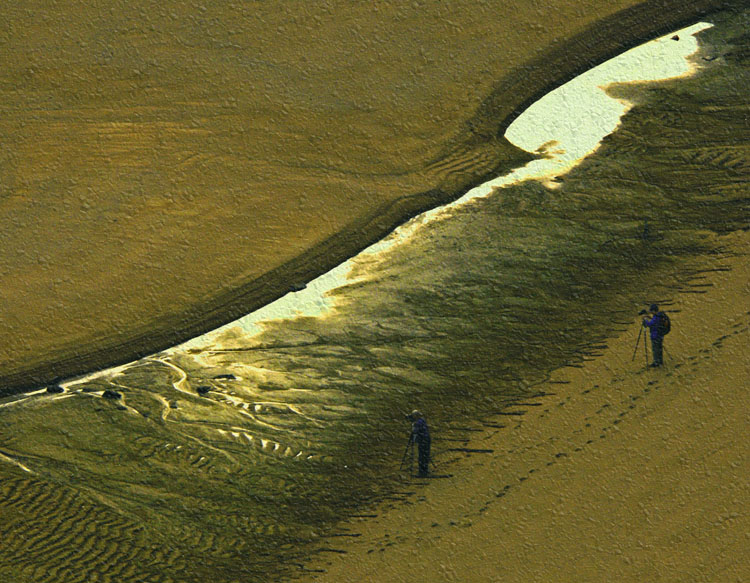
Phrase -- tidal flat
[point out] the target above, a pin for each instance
(236, 462)
(167, 169)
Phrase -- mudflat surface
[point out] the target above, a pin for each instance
(242, 456)
(619, 473)
(167, 168)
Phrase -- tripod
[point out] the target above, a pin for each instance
(645, 346)
(410, 453)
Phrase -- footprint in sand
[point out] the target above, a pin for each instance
(504, 492)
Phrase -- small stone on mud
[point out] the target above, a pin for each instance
(676, 37)
(110, 394)
(173, 405)
(203, 389)
(55, 389)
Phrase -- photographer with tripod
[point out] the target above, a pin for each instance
(659, 326)
(420, 434)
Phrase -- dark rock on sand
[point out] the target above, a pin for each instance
(203, 389)
(110, 394)
(55, 389)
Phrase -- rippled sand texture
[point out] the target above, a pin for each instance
(303, 424)
(167, 168)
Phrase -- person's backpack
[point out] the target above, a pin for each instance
(664, 325)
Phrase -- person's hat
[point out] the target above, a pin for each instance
(416, 414)
(653, 308)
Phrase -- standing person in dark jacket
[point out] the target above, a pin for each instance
(420, 434)
(656, 326)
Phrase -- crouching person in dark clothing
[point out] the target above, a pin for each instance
(659, 326)
(420, 434)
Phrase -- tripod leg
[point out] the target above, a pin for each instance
(409, 444)
(645, 349)
(636, 343)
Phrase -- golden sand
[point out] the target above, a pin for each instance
(168, 169)
(624, 474)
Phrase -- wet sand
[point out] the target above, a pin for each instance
(622, 473)
(303, 425)
(167, 171)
